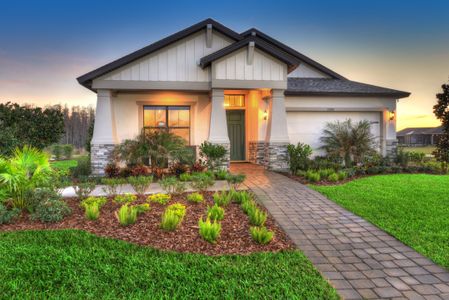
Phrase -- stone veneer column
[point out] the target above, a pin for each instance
(218, 127)
(104, 137)
(277, 134)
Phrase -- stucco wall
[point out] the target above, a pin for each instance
(306, 71)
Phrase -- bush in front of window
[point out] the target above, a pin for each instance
(214, 155)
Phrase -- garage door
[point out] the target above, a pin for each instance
(307, 127)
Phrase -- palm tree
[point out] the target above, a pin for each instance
(348, 141)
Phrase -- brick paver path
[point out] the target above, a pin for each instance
(359, 259)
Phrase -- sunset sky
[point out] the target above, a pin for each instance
(45, 45)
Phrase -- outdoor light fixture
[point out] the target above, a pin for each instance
(392, 114)
(265, 115)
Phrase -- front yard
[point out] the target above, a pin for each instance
(78, 265)
(412, 207)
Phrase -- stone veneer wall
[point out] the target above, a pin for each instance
(391, 149)
(257, 152)
(100, 156)
(276, 157)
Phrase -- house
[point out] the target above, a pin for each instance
(419, 136)
(246, 91)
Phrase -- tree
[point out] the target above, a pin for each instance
(441, 111)
(26, 125)
(347, 141)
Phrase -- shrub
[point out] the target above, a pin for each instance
(299, 157)
(92, 211)
(68, 151)
(83, 189)
(209, 231)
(257, 217)
(261, 235)
(112, 170)
(416, 157)
(195, 198)
(235, 180)
(215, 213)
(57, 151)
(34, 198)
(125, 198)
(140, 184)
(239, 196)
(159, 198)
(173, 216)
(127, 215)
(141, 208)
(51, 210)
(324, 173)
(221, 174)
(100, 201)
(333, 177)
(248, 206)
(222, 199)
(213, 153)
(7, 215)
(185, 177)
(178, 168)
(313, 176)
(402, 158)
(139, 170)
(201, 181)
(172, 185)
(320, 162)
(112, 185)
(198, 166)
(82, 168)
(342, 175)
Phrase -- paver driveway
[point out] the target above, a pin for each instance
(359, 259)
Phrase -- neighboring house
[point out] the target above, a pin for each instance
(246, 91)
(419, 136)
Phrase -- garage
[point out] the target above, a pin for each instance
(307, 126)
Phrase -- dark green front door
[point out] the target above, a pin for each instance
(236, 131)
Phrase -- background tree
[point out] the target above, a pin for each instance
(26, 125)
(77, 122)
(441, 111)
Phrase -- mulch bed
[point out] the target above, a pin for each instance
(235, 236)
(325, 182)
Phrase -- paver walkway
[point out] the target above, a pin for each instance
(359, 259)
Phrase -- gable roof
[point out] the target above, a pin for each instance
(338, 87)
(291, 51)
(290, 60)
(86, 79)
(420, 130)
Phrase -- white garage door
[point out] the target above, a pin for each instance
(307, 127)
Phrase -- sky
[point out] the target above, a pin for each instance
(402, 44)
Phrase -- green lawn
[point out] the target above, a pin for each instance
(78, 265)
(426, 150)
(64, 164)
(413, 208)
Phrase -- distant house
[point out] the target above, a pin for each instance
(420, 136)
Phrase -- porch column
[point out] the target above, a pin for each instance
(277, 134)
(104, 136)
(218, 127)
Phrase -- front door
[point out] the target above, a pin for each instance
(236, 131)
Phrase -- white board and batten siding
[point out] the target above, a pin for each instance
(176, 62)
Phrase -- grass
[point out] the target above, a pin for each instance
(64, 164)
(413, 208)
(426, 150)
(78, 265)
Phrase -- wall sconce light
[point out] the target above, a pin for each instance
(265, 115)
(391, 115)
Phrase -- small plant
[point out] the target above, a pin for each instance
(178, 168)
(51, 210)
(213, 153)
(222, 199)
(140, 184)
(127, 215)
(324, 173)
(112, 170)
(313, 176)
(209, 231)
(173, 216)
(141, 208)
(215, 213)
(201, 181)
(83, 189)
(261, 235)
(299, 157)
(248, 206)
(342, 175)
(235, 180)
(7, 215)
(195, 198)
(221, 174)
(159, 198)
(57, 151)
(333, 177)
(92, 211)
(257, 217)
(125, 198)
(185, 177)
(172, 185)
(240, 196)
(112, 185)
(68, 151)
(100, 201)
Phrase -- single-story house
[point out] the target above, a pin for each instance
(246, 91)
(419, 136)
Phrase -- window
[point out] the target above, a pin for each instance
(175, 119)
(234, 100)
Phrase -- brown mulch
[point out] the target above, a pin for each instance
(235, 236)
(325, 182)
